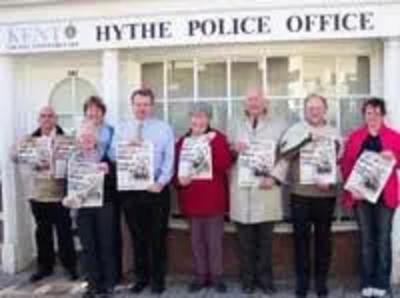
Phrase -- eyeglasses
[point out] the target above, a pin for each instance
(46, 115)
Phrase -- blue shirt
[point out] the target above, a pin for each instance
(105, 135)
(160, 134)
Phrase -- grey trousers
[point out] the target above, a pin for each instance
(206, 238)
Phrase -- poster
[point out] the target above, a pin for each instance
(256, 163)
(64, 146)
(318, 162)
(85, 184)
(135, 166)
(369, 175)
(195, 160)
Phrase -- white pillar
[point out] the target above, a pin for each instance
(16, 250)
(391, 72)
(110, 83)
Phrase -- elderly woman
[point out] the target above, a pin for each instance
(255, 207)
(313, 198)
(201, 184)
(374, 220)
(95, 227)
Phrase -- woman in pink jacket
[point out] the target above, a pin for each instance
(374, 220)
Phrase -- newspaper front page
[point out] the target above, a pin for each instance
(64, 146)
(256, 163)
(318, 162)
(195, 160)
(135, 166)
(85, 184)
(369, 175)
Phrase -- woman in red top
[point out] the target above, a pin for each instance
(374, 219)
(202, 188)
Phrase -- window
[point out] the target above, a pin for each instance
(68, 97)
(343, 79)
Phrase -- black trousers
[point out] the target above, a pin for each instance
(96, 231)
(117, 236)
(255, 253)
(308, 212)
(147, 218)
(47, 217)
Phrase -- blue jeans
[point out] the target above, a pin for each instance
(375, 229)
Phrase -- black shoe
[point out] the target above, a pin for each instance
(41, 274)
(138, 287)
(106, 293)
(157, 289)
(73, 275)
(248, 289)
(90, 293)
(268, 290)
(196, 286)
(219, 287)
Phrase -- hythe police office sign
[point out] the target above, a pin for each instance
(206, 28)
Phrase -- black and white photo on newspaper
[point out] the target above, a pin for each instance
(256, 162)
(135, 165)
(195, 160)
(43, 164)
(370, 175)
(64, 147)
(318, 162)
(85, 185)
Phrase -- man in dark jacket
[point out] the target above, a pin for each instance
(48, 211)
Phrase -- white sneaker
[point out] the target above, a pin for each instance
(378, 292)
(367, 292)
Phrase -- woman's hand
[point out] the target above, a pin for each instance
(185, 181)
(356, 195)
(388, 155)
(323, 186)
(240, 147)
(267, 183)
(210, 136)
(103, 166)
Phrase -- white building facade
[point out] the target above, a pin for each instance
(59, 52)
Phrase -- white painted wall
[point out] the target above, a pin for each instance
(56, 10)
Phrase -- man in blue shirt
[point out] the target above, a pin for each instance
(147, 211)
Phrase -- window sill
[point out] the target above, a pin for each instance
(280, 228)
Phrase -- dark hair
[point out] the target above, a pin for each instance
(315, 95)
(146, 92)
(376, 103)
(95, 101)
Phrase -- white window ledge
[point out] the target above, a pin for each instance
(281, 228)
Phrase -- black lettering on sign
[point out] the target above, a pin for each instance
(294, 24)
(346, 22)
(229, 26)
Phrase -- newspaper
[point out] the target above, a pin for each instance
(85, 184)
(26, 151)
(43, 164)
(135, 166)
(318, 162)
(64, 146)
(369, 175)
(195, 159)
(256, 162)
